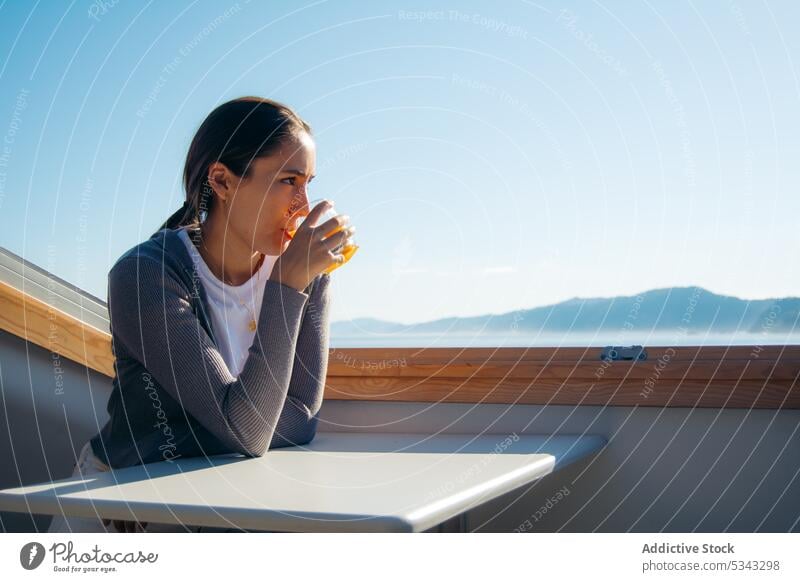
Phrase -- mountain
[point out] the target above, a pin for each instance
(689, 309)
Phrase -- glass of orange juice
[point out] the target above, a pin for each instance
(347, 248)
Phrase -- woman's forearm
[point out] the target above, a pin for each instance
(311, 353)
(298, 421)
(256, 403)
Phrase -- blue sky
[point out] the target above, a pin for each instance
(493, 156)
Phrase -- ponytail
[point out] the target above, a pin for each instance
(178, 218)
(187, 215)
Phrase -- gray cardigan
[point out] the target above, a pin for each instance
(174, 396)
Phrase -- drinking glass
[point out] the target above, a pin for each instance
(348, 248)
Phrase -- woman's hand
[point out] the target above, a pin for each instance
(309, 253)
(127, 526)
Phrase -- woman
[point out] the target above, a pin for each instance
(219, 321)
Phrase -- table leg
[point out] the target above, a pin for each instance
(457, 524)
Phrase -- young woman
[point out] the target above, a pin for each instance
(219, 321)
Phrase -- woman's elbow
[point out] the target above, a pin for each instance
(311, 431)
(305, 434)
(255, 450)
(256, 444)
(299, 435)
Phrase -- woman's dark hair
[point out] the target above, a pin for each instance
(235, 134)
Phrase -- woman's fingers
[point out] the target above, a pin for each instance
(311, 220)
(338, 239)
(331, 226)
(312, 248)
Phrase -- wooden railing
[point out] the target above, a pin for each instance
(60, 333)
(718, 377)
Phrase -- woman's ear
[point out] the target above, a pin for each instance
(220, 179)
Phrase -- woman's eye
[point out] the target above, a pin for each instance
(292, 180)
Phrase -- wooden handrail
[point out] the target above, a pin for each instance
(685, 376)
(57, 332)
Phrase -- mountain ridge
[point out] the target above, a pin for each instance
(692, 309)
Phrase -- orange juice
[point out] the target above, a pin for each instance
(348, 250)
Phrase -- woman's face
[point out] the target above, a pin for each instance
(273, 197)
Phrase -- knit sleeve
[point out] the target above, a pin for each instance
(151, 316)
(298, 422)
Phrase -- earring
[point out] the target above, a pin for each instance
(206, 193)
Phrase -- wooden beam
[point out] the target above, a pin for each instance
(684, 376)
(57, 332)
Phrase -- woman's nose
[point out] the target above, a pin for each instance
(304, 195)
(300, 204)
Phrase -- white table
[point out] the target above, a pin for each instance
(361, 482)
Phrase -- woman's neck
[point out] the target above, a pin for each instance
(230, 259)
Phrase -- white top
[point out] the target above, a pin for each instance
(233, 307)
(362, 482)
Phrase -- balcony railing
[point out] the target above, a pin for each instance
(685, 376)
